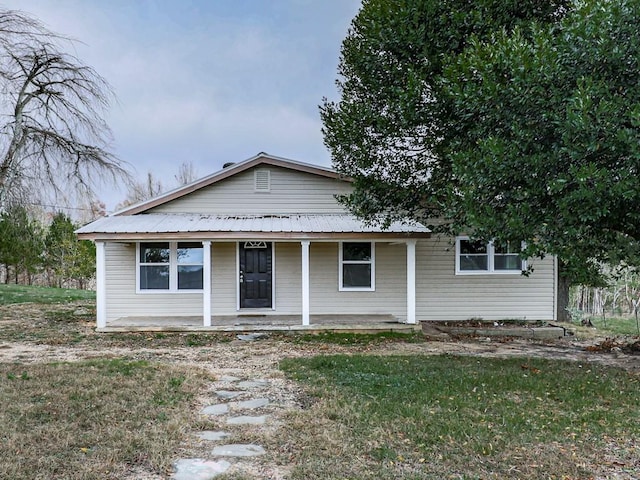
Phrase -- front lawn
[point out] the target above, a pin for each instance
(95, 419)
(423, 417)
(28, 293)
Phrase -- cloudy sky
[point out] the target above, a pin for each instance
(207, 81)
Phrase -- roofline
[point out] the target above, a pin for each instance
(234, 236)
(260, 158)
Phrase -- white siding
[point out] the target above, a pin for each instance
(223, 278)
(291, 192)
(442, 295)
(122, 299)
(391, 284)
(288, 278)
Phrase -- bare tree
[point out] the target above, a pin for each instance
(52, 133)
(186, 174)
(140, 191)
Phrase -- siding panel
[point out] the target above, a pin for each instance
(122, 299)
(291, 192)
(442, 295)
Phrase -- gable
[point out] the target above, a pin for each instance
(263, 189)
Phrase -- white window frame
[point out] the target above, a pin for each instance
(371, 262)
(490, 262)
(173, 270)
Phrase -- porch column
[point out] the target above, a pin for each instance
(101, 285)
(411, 281)
(305, 281)
(206, 283)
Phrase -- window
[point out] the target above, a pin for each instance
(475, 257)
(190, 259)
(154, 266)
(170, 266)
(357, 266)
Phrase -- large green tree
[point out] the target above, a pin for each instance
(514, 121)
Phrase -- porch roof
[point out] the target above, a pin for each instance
(243, 226)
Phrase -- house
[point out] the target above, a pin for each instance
(265, 238)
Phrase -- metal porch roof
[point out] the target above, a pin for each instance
(146, 224)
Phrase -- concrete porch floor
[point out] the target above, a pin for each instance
(262, 323)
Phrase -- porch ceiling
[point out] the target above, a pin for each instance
(293, 226)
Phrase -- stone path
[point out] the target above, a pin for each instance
(224, 453)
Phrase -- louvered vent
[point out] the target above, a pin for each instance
(262, 181)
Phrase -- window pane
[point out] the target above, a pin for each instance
(190, 277)
(507, 262)
(467, 246)
(356, 251)
(356, 275)
(154, 252)
(190, 253)
(154, 277)
(474, 262)
(506, 248)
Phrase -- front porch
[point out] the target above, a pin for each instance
(262, 323)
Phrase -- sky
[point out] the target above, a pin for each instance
(206, 81)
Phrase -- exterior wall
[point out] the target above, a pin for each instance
(440, 294)
(291, 192)
(223, 278)
(389, 297)
(443, 295)
(122, 299)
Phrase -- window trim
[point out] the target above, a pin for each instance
(173, 270)
(372, 262)
(490, 262)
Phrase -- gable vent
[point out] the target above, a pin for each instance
(262, 181)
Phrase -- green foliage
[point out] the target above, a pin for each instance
(20, 242)
(66, 256)
(514, 121)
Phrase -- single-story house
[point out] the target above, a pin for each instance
(266, 238)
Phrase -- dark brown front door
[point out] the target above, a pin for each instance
(255, 274)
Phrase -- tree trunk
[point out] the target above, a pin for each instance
(562, 307)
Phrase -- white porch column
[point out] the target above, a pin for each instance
(101, 285)
(411, 281)
(206, 283)
(305, 281)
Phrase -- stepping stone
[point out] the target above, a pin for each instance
(219, 409)
(199, 469)
(227, 394)
(228, 378)
(238, 450)
(246, 420)
(252, 337)
(212, 436)
(253, 384)
(251, 404)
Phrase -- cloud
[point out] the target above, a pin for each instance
(208, 82)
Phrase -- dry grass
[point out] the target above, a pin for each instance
(94, 419)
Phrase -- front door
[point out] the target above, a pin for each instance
(255, 274)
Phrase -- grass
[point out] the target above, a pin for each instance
(93, 420)
(10, 294)
(614, 325)
(421, 417)
(74, 324)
